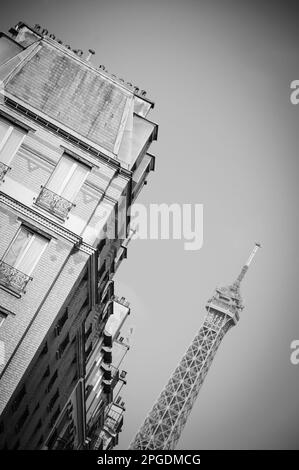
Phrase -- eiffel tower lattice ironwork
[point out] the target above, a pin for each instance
(164, 424)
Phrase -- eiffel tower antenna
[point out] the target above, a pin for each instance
(164, 424)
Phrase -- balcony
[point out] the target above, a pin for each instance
(107, 340)
(107, 355)
(110, 373)
(12, 278)
(98, 444)
(119, 309)
(114, 419)
(3, 170)
(115, 376)
(108, 291)
(110, 379)
(122, 254)
(53, 203)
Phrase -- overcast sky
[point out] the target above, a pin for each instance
(219, 72)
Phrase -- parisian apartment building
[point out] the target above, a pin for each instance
(74, 155)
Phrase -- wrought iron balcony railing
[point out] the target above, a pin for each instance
(12, 278)
(3, 170)
(53, 203)
(114, 418)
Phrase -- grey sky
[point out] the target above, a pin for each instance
(219, 72)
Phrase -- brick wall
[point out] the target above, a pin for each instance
(23, 309)
(41, 332)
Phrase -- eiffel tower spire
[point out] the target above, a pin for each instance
(163, 426)
(246, 266)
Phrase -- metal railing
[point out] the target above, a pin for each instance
(121, 300)
(114, 418)
(12, 278)
(3, 170)
(53, 203)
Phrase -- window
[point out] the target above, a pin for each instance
(46, 373)
(122, 218)
(35, 431)
(55, 417)
(22, 419)
(88, 351)
(102, 244)
(37, 427)
(10, 141)
(2, 318)
(44, 350)
(52, 381)
(36, 408)
(17, 445)
(60, 324)
(88, 390)
(21, 258)
(51, 441)
(74, 360)
(63, 186)
(19, 397)
(41, 439)
(88, 332)
(53, 401)
(68, 177)
(75, 377)
(86, 303)
(102, 270)
(62, 346)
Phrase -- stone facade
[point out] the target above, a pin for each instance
(61, 378)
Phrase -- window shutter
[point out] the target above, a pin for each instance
(68, 177)
(75, 182)
(31, 256)
(17, 247)
(60, 175)
(10, 141)
(25, 250)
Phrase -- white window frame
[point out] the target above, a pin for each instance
(3, 317)
(34, 235)
(7, 135)
(9, 132)
(68, 177)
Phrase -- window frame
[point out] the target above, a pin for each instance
(76, 163)
(34, 235)
(10, 129)
(3, 317)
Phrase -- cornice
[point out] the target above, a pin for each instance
(46, 223)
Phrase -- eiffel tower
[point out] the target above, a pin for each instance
(164, 424)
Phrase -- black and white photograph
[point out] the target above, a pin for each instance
(148, 229)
